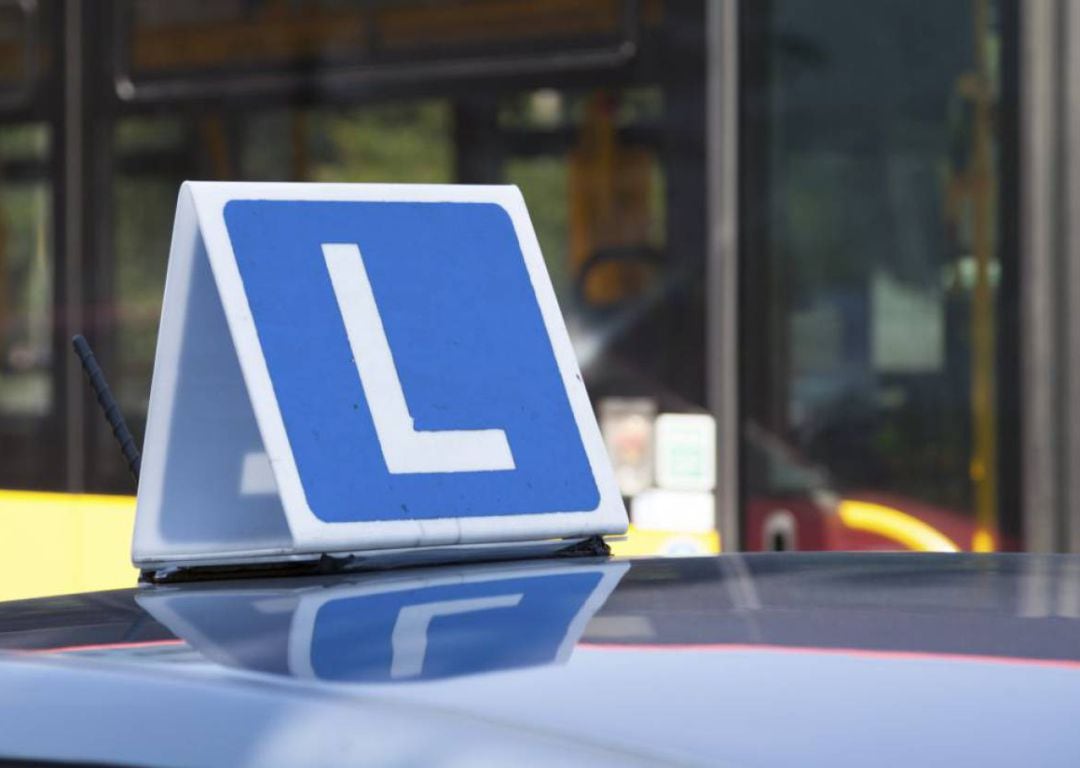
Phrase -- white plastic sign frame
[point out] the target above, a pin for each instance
(219, 481)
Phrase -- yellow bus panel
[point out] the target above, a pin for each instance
(59, 543)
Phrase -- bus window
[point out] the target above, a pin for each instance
(32, 454)
(596, 111)
(879, 279)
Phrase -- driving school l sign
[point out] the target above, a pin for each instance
(360, 367)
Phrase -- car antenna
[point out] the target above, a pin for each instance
(108, 403)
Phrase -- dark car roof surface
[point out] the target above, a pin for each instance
(842, 659)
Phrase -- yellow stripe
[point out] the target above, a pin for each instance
(894, 525)
(983, 541)
(83, 500)
(648, 543)
(59, 543)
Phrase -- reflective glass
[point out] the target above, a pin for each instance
(874, 271)
(31, 455)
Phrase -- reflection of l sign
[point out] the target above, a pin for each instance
(392, 628)
(410, 635)
(405, 449)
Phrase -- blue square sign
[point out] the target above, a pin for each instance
(468, 354)
(402, 363)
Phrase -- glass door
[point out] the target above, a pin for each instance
(877, 308)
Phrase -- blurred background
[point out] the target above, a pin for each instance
(818, 257)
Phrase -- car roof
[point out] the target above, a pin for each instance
(761, 659)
